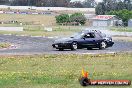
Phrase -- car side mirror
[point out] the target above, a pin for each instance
(83, 38)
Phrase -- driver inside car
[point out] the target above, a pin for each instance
(89, 35)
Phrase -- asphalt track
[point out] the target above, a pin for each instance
(26, 45)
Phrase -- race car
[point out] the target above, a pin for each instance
(85, 39)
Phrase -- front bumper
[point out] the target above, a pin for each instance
(110, 44)
(62, 45)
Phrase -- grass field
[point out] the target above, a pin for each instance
(32, 25)
(62, 71)
(38, 30)
(47, 20)
(121, 29)
(4, 45)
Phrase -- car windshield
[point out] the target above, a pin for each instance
(104, 35)
(77, 35)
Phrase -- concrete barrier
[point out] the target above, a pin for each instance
(48, 8)
(11, 28)
(49, 29)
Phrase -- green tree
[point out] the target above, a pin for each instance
(111, 5)
(6, 2)
(78, 17)
(90, 3)
(124, 14)
(121, 6)
(47, 3)
(62, 18)
(100, 9)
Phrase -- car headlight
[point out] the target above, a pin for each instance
(108, 39)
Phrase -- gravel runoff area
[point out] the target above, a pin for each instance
(26, 45)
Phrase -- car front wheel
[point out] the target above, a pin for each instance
(74, 46)
(103, 45)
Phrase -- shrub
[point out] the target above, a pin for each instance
(79, 18)
(62, 18)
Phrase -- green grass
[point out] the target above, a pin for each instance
(34, 25)
(4, 45)
(62, 71)
(38, 30)
(121, 29)
(29, 19)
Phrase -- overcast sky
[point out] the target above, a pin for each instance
(84, 0)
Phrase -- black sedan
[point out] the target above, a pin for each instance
(84, 39)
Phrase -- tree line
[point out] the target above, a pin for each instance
(101, 8)
(120, 8)
(113, 5)
(50, 3)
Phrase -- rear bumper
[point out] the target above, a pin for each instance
(62, 45)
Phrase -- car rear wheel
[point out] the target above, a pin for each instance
(103, 45)
(74, 46)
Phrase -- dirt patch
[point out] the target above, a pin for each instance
(7, 46)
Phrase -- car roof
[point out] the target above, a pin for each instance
(91, 31)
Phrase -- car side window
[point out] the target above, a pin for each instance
(97, 35)
(89, 35)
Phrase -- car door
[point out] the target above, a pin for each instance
(98, 39)
(89, 40)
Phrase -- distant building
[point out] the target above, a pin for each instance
(130, 23)
(106, 20)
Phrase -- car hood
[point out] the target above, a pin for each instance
(62, 40)
(108, 38)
